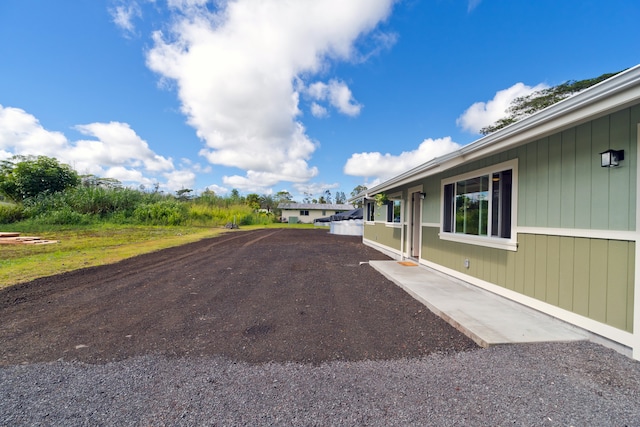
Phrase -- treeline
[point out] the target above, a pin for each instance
(42, 191)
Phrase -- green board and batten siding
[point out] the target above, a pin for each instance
(384, 235)
(561, 185)
(590, 277)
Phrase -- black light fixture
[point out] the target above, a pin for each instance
(611, 158)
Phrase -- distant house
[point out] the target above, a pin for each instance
(545, 212)
(307, 213)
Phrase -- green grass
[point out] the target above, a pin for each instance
(94, 245)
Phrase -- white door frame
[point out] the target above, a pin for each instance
(414, 230)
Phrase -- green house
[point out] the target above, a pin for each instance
(532, 213)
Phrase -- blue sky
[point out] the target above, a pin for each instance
(270, 95)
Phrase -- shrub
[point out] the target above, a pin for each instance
(10, 213)
(103, 201)
(165, 212)
(64, 216)
(43, 204)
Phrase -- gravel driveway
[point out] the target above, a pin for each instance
(309, 360)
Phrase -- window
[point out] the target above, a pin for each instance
(393, 211)
(304, 213)
(371, 211)
(479, 204)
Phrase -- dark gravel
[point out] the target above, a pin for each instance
(278, 328)
(577, 384)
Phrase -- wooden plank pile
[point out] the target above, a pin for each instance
(10, 238)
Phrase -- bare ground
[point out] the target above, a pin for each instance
(252, 296)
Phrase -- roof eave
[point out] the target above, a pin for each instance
(616, 92)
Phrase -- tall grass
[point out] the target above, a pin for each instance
(205, 214)
(93, 204)
(10, 213)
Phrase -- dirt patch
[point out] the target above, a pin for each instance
(257, 296)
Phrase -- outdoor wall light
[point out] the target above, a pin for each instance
(423, 195)
(611, 158)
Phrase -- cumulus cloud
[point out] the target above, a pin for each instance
(22, 134)
(217, 189)
(337, 93)
(482, 114)
(383, 166)
(113, 150)
(179, 179)
(117, 144)
(239, 69)
(319, 111)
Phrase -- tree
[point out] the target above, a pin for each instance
(341, 197)
(267, 202)
(283, 196)
(253, 200)
(327, 196)
(23, 177)
(183, 194)
(525, 106)
(96, 181)
(357, 190)
(235, 197)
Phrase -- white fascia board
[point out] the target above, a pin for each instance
(619, 91)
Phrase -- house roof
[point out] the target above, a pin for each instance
(317, 206)
(617, 92)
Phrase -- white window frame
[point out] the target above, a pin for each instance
(370, 206)
(511, 243)
(396, 197)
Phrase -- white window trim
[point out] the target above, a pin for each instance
(510, 244)
(393, 198)
(366, 212)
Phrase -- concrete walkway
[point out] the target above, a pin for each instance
(486, 318)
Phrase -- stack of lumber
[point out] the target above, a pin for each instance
(10, 238)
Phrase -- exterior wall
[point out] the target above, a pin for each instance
(381, 234)
(384, 236)
(593, 278)
(575, 227)
(313, 215)
(562, 184)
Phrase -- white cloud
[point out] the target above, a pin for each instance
(186, 4)
(177, 180)
(482, 114)
(337, 93)
(124, 14)
(314, 188)
(22, 134)
(115, 151)
(319, 111)
(472, 5)
(254, 182)
(384, 166)
(217, 189)
(238, 71)
(117, 144)
(126, 175)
